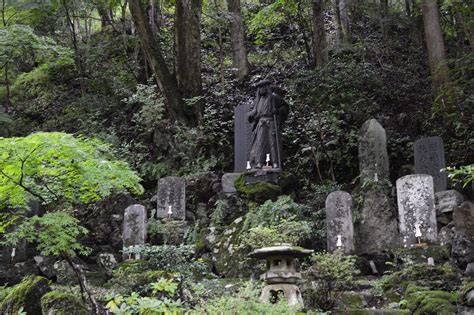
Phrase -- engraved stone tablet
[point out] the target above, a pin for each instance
(339, 222)
(373, 156)
(416, 209)
(171, 193)
(134, 226)
(429, 160)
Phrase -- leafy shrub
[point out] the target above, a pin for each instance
(331, 273)
(246, 301)
(170, 258)
(60, 169)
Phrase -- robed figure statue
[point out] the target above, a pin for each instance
(267, 114)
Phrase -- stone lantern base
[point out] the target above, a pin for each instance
(291, 292)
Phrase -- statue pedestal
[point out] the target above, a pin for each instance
(262, 175)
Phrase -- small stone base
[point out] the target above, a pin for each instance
(259, 175)
(291, 293)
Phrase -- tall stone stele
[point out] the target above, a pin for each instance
(429, 160)
(416, 209)
(134, 227)
(377, 229)
(340, 231)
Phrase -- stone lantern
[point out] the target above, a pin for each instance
(281, 276)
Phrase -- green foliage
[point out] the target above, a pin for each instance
(286, 231)
(463, 174)
(281, 221)
(422, 301)
(269, 17)
(54, 233)
(246, 301)
(331, 273)
(170, 258)
(18, 295)
(136, 304)
(61, 169)
(21, 48)
(63, 303)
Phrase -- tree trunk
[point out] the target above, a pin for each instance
(319, 34)
(166, 83)
(188, 46)
(344, 18)
(96, 309)
(384, 18)
(237, 36)
(435, 44)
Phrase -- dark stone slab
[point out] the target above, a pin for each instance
(134, 226)
(339, 221)
(171, 192)
(429, 159)
(242, 138)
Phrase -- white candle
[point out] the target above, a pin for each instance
(268, 158)
(376, 179)
(417, 230)
(339, 241)
(169, 210)
(248, 165)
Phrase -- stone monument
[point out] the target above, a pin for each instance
(340, 231)
(171, 198)
(416, 209)
(281, 276)
(429, 160)
(134, 227)
(377, 229)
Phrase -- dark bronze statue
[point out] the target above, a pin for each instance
(267, 114)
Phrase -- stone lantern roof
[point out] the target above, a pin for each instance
(281, 250)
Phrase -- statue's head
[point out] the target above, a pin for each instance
(264, 87)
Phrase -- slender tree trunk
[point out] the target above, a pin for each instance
(7, 85)
(408, 7)
(83, 284)
(435, 44)
(384, 18)
(237, 36)
(302, 26)
(320, 56)
(73, 26)
(188, 46)
(345, 22)
(166, 83)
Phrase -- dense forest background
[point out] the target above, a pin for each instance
(154, 83)
(167, 105)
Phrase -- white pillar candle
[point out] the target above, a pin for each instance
(248, 165)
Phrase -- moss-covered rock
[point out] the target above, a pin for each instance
(259, 191)
(431, 302)
(27, 295)
(420, 255)
(438, 277)
(60, 303)
(352, 300)
(230, 259)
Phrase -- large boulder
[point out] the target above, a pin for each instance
(26, 295)
(58, 303)
(463, 240)
(463, 218)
